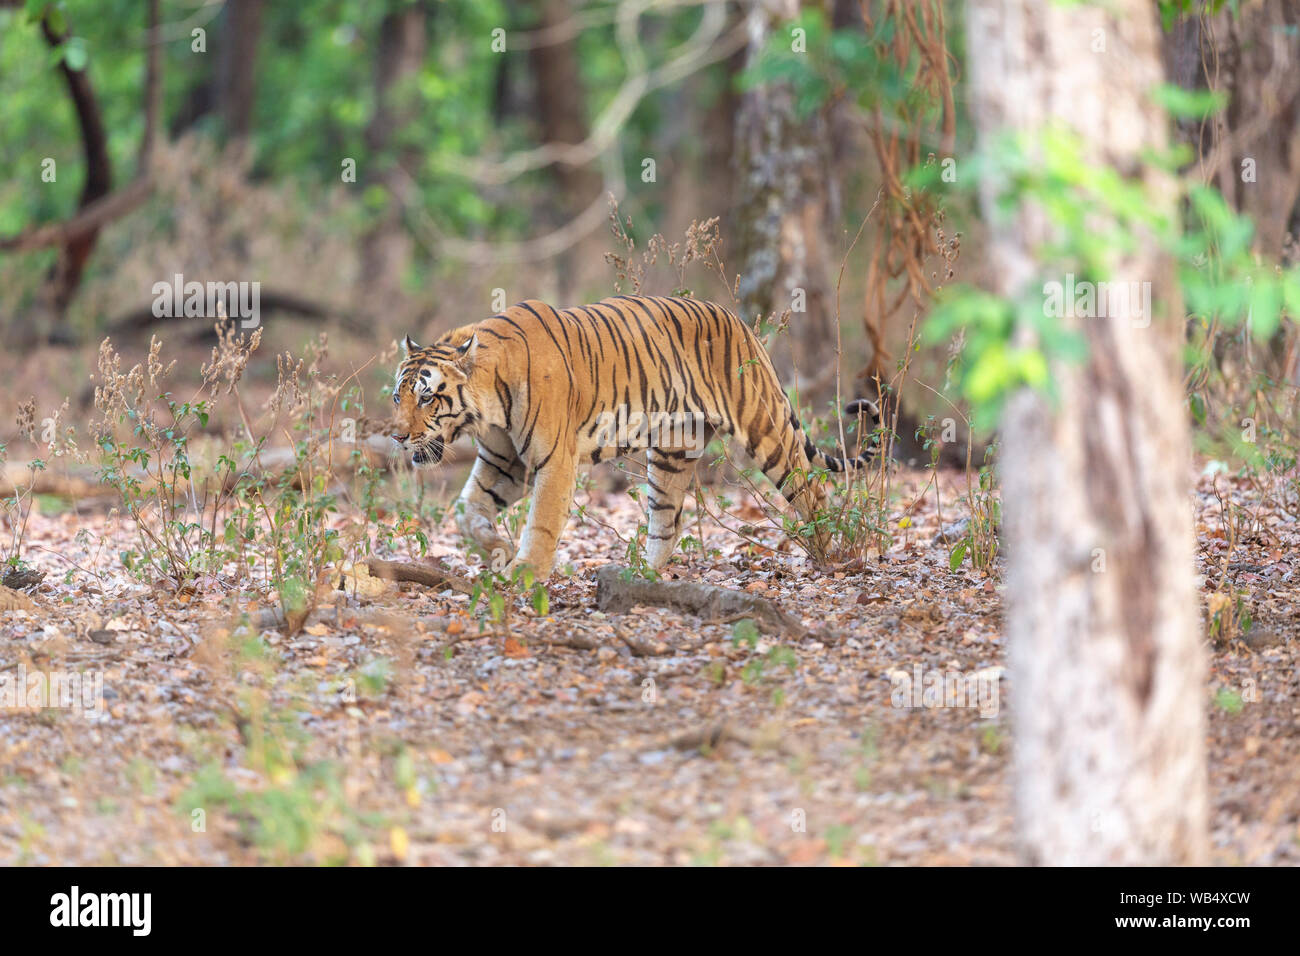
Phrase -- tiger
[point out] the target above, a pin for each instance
(543, 392)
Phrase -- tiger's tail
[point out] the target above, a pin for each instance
(833, 463)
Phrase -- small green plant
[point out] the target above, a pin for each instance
(143, 437)
(745, 633)
(980, 541)
(17, 508)
(227, 511)
(289, 804)
(1229, 701)
(991, 739)
(1228, 607)
(494, 593)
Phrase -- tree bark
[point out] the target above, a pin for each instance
(1252, 55)
(1102, 611)
(386, 247)
(783, 175)
(237, 71)
(71, 264)
(561, 104)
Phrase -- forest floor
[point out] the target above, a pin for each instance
(387, 731)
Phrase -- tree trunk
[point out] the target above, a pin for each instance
(65, 277)
(1253, 56)
(1102, 611)
(562, 118)
(386, 247)
(236, 71)
(783, 172)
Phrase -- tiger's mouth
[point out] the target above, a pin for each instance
(429, 454)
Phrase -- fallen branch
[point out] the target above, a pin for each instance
(142, 318)
(577, 642)
(425, 574)
(642, 648)
(710, 737)
(615, 592)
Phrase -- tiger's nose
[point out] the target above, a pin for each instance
(401, 438)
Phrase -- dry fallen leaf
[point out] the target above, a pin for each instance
(399, 842)
(356, 579)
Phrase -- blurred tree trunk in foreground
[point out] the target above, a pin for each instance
(386, 248)
(1102, 610)
(783, 174)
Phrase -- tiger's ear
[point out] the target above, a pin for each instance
(465, 354)
(408, 343)
(457, 337)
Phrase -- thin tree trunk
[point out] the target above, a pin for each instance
(783, 175)
(1102, 611)
(236, 72)
(1253, 55)
(561, 104)
(386, 248)
(562, 118)
(65, 277)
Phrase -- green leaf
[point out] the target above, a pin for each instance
(75, 54)
(1189, 104)
(57, 22)
(958, 554)
(744, 631)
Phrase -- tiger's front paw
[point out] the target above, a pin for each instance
(521, 566)
(498, 553)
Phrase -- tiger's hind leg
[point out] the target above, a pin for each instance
(670, 473)
(784, 460)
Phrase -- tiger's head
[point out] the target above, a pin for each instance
(432, 398)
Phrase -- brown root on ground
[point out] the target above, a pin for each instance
(11, 600)
(616, 591)
(427, 574)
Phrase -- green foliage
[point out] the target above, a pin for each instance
(833, 63)
(1171, 11)
(494, 592)
(1229, 701)
(993, 364)
(289, 804)
(744, 631)
(1189, 104)
(981, 539)
(1099, 214)
(17, 508)
(315, 101)
(221, 512)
